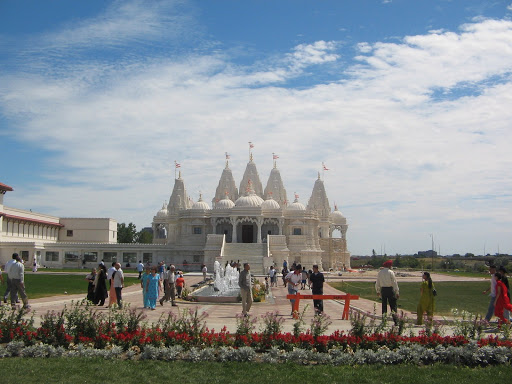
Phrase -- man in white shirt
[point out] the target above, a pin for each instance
(170, 286)
(140, 268)
(17, 276)
(119, 283)
(6, 270)
(293, 280)
(387, 289)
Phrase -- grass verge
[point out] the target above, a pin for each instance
(463, 295)
(59, 370)
(44, 285)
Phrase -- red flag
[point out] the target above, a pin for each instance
(177, 165)
(275, 157)
(251, 145)
(325, 168)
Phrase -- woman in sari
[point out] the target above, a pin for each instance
(143, 280)
(502, 301)
(153, 286)
(427, 302)
(112, 298)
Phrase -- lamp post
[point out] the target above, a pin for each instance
(432, 236)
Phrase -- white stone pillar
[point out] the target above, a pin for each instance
(259, 223)
(233, 223)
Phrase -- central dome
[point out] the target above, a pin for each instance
(249, 200)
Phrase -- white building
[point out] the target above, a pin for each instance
(257, 225)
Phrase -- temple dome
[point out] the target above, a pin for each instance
(163, 211)
(296, 206)
(249, 200)
(270, 204)
(337, 217)
(225, 203)
(200, 204)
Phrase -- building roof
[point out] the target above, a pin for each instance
(30, 220)
(5, 188)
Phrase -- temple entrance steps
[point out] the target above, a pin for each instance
(252, 253)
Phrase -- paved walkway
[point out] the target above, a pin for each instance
(220, 315)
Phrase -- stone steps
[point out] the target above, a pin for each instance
(247, 253)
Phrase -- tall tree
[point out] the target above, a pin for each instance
(126, 233)
(144, 237)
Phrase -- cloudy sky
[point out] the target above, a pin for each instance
(408, 103)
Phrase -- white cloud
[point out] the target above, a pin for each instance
(403, 162)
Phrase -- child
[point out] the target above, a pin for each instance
(267, 287)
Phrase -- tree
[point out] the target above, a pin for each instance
(373, 252)
(144, 237)
(126, 233)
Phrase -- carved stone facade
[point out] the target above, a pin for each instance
(252, 227)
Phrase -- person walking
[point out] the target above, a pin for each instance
(427, 299)
(170, 286)
(119, 284)
(100, 286)
(245, 284)
(180, 284)
(140, 269)
(17, 276)
(317, 280)
(204, 270)
(293, 280)
(502, 301)
(272, 273)
(492, 293)
(9, 283)
(504, 279)
(387, 289)
(152, 287)
(91, 277)
(143, 282)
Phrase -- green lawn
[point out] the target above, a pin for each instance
(464, 295)
(44, 285)
(72, 370)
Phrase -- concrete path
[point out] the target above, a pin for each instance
(220, 315)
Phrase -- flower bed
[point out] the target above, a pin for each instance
(82, 331)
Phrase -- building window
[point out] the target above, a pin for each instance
(147, 258)
(91, 256)
(197, 230)
(69, 233)
(297, 231)
(129, 257)
(52, 256)
(24, 255)
(71, 256)
(109, 257)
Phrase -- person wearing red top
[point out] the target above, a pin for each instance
(502, 301)
(180, 283)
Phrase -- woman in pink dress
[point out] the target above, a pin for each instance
(502, 301)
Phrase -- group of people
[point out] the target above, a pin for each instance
(15, 275)
(158, 279)
(97, 291)
(387, 289)
(499, 294)
(109, 283)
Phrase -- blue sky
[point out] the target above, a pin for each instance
(407, 103)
